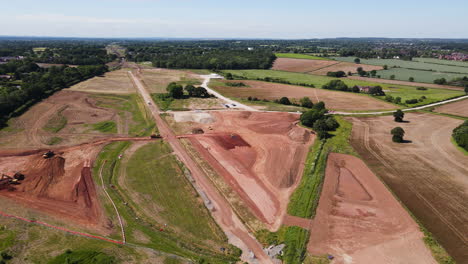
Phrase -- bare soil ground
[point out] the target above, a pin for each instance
(115, 82)
(346, 67)
(157, 79)
(428, 174)
(78, 108)
(61, 186)
(359, 221)
(429, 85)
(319, 67)
(333, 99)
(238, 146)
(459, 108)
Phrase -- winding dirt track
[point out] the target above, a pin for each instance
(223, 213)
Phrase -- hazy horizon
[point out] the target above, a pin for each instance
(210, 19)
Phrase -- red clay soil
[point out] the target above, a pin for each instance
(359, 221)
(301, 65)
(459, 108)
(61, 186)
(261, 155)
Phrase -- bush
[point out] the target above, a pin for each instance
(336, 85)
(311, 116)
(284, 100)
(440, 81)
(355, 89)
(306, 102)
(389, 98)
(376, 90)
(398, 115)
(421, 88)
(460, 135)
(337, 74)
(411, 101)
(175, 90)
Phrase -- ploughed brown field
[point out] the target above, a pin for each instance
(428, 174)
(359, 221)
(319, 67)
(260, 155)
(333, 99)
(459, 108)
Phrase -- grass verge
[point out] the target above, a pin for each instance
(299, 56)
(105, 127)
(57, 122)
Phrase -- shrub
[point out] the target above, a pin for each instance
(306, 102)
(421, 88)
(440, 81)
(411, 101)
(376, 90)
(336, 85)
(398, 115)
(389, 98)
(460, 135)
(337, 74)
(284, 100)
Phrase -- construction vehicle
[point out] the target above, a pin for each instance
(48, 154)
(6, 181)
(155, 135)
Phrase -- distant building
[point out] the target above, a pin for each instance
(250, 48)
(5, 77)
(364, 89)
(10, 58)
(454, 56)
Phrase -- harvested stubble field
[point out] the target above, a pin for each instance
(333, 99)
(238, 147)
(459, 108)
(319, 67)
(157, 79)
(359, 221)
(114, 82)
(427, 174)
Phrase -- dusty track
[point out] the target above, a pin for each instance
(223, 213)
(359, 221)
(428, 174)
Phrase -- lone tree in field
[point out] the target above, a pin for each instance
(398, 115)
(357, 60)
(392, 77)
(385, 67)
(398, 134)
(466, 89)
(411, 79)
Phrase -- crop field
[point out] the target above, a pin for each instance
(299, 56)
(421, 69)
(405, 92)
(333, 99)
(428, 173)
(459, 108)
(318, 67)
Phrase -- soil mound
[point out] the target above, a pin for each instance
(43, 176)
(230, 141)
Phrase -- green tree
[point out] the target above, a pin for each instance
(319, 106)
(306, 102)
(385, 67)
(309, 117)
(389, 98)
(411, 79)
(397, 100)
(373, 73)
(175, 90)
(398, 115)
(331, 123)
(284, 100)
(397, 134)
(190, 90)
(466, 89)
(357, 60)
(392, 77)
(355, 89)
(229, 76)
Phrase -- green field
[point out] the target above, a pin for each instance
(405, 92)
(140, 123)
(299, 56)
(421, 69)
(157, 193)
(56, 123)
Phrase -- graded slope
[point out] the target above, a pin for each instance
(359, 221)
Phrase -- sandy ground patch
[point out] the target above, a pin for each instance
(459, 108)
(429, 175)
(239, 147)
(115, 82)
(359, 221)
(333, 99)
(203, 117)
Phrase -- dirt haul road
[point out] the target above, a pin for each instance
(223, 213)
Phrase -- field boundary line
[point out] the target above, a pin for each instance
(324, 67)
(61, 228)
(113, 204)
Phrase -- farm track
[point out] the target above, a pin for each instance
(223, 213)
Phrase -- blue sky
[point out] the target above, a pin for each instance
(235, 19)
